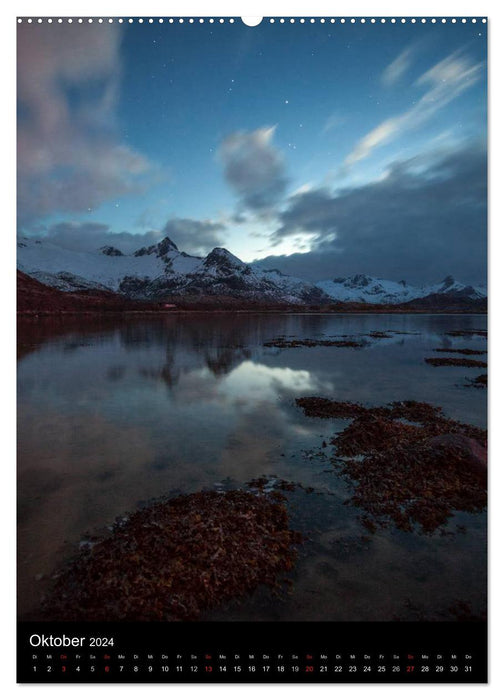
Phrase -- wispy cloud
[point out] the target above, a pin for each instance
(397, 68)
(377, 137)
(443, 82)
(333, 121)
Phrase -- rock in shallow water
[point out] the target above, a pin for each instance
(172, 560)
(472, 453)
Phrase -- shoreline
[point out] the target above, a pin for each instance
(297, 312)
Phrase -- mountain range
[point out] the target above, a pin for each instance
(161, 272)
(371, 290)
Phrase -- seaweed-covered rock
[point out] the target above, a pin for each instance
(410, 464)
(475, 456)
(480, 382)
(172, 560)
(314, 343)
(372, 433)
(318, 407)
(454, 362)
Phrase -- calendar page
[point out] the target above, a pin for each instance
(252, 349)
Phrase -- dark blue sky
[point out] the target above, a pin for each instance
(226, 134)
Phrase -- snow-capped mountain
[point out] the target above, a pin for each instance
(450, 286)
(373, 290)
(160, 271)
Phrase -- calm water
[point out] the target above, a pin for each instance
(112, 414)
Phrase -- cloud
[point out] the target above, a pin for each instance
(443, 83)
(86, 236)
(377, 137)
(194, 236)
(397, 68)
(190, 235)
(333, 121)
(425, 219)
(254, 168)
(69, 156)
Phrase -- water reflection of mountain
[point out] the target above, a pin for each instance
(173, 345)
(223, 330)
(219, 342)
(196, 330)
(117, 411)
(169, 346)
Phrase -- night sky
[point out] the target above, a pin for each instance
(347, 147)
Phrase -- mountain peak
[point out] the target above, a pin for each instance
(162, 248)
(110, 250)
(360, 280)
(448, 281)
(222, 256)
(165, 245)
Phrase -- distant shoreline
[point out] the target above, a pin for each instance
(37, 299)
(310, 312)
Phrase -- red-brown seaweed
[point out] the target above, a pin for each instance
(318, 407)
(480, 382)
(407, 473)
(454, 362)
(417, 483)
(172, 560)
(309, 343)
(371, 433)
(461, 351)
(468, 333)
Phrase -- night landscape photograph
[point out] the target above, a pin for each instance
(252, 321)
